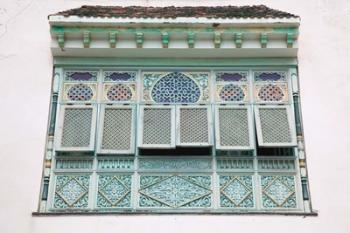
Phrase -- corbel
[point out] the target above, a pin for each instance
(86, 39)
(190, 39)
(61, 40)
(263, 40)
(112, 39)
(217, 39)
(238, 38)
(290, 40)
(165, 39)
(139, 39)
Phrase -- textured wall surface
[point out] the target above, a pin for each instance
(25, 73)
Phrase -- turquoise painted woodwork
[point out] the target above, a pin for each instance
(278, 192)
(72, 191)
(114, 191)
(175, 191)
(236, 192)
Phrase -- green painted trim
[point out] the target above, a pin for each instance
(79, 29)
(174, 62)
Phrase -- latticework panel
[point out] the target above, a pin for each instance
(278, 192)
(71, 191)
(114, 191)
(76, 129)
(274, 126)
(187, 191)
(236, 191)
(193, 126)
(157, 127)
(233, 128)
(79, 92)
(117, 131)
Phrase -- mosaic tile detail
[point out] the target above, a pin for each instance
(175, 87)
(82, 76)
(236, 192)
(119, 92)
(114, 191)
(72, 191)
(175, 191)
(119, 76)
(278, 192)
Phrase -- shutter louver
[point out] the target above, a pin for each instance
(233, 128)
(275, 126)
(116, 130)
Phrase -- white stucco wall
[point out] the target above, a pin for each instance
(25, 73)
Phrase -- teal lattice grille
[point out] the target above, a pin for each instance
(236, 192)
(278, 192)
(175, 191)
(72, 191)
(114, 191)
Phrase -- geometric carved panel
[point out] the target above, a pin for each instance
(72, 191)
(278, 192)
(236, 191)
(114, 191)
(173, 191)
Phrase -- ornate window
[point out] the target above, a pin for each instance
(165, 141)
(171, 119)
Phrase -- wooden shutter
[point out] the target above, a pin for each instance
(234, 128)
(193, 126)
(275, 126)
(116, 130)
(157, 127)
(76, 128)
